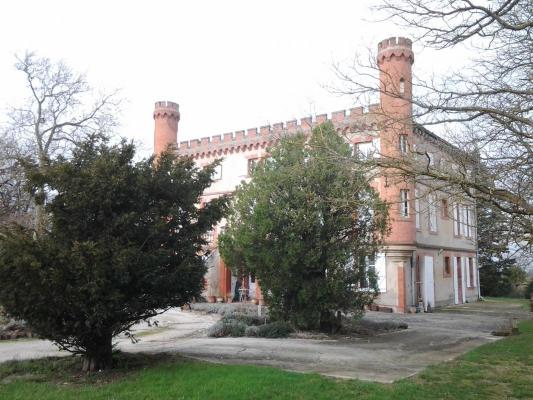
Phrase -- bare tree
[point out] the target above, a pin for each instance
(14, 200)
(484, 110)
(60, 110)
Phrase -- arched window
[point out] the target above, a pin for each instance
(402, 86)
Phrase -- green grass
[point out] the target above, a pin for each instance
(523, 303)
(499, 370)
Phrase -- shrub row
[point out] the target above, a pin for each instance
(236, 327)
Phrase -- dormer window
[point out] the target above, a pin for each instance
(402, 86)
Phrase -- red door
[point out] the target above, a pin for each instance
(459, 281)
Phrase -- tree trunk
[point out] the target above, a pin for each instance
(99, 356)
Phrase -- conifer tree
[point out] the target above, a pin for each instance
(305, 226)
(123, 243)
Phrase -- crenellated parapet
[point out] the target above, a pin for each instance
(397, 47)
(166, 119)
(167, 109)
(353, 120)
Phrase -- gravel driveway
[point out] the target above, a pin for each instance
(430, 339)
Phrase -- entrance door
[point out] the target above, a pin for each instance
(429, 283)
(459, 275)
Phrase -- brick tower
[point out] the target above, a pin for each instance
(395, 59)
(166, 118)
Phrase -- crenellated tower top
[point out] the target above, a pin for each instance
(166, 118)
(395, 46)
(395, 59)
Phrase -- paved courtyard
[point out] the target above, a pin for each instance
(430, 339)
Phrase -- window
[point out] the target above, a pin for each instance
(447, 267)
(402, 86)
(468, 219)
(471, 271)
(209, 236)
(375, 274)
(404, 202)
(370, 272)
(403, 144)
(415, 152)
(470, 216)
(217, 173)
(417, 209)
(363, 150)
(444, 208)
(464, 225)
(252, 165)
(432, 209)
(456, 220)
(367, 149)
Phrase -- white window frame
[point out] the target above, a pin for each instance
(432, 213)
(464, 224)
(417, 209)
(404, 202)
(456, 220)
(404, 147)
(367, 149)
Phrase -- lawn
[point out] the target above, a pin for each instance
(523, 303)
(499, 370)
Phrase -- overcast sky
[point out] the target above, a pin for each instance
(231, 65)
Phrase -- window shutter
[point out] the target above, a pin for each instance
(474, 278)
(455, 219)
(455, 281)
(417, 209)
(467, 267)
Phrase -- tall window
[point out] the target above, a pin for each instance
(370, 272)
(447, 267)
(456, 220)
(367, 149)
(471, 272)
(209, 236)
(252, 165)
(403, 144)
(469, 221)
(444, 208)
(417, 209)
(402, 86)
(432, 209)
(471, 224)
(404, 202)
(464, 222)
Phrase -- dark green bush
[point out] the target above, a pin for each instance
(227, 328)
(251, 331)
(278, 329)
(249, 320)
